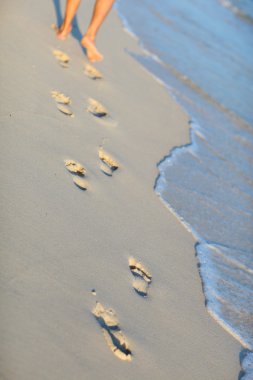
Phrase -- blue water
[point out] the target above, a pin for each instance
(203, 53)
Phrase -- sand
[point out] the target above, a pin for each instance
(63, 248)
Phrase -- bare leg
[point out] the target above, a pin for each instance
(101, 10)
(65, 28)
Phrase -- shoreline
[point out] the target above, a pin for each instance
(191, 194)
(68, 242)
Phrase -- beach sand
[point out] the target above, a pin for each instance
(59, 243)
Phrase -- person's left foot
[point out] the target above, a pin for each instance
(62, 32)
(92, 52)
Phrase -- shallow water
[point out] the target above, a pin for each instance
(203, 53)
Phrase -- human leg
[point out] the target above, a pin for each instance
(65, 28)
(101, 10)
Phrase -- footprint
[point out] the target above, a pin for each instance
(62, 58)
(117, 344)
(75, 167)
(114, 337)
(62, 102)
(138, 269)
(140, 286)
(81, 183)
(107, 317)
(142, 277)
(96, 108)
(59, 97)
(92, 72)
(108, 165)
(101, 113)
(65, 110)
(105, 169)
(78, 172)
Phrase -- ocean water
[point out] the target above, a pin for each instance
(203, 53)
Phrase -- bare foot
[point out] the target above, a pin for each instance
(92, 52)
(62, 32)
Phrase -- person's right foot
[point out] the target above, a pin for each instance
(92, 52)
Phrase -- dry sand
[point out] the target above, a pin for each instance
(59, 243)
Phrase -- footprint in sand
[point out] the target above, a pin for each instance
(114, 337)
(59, 97)
(92, 72)
(62, 58)
(78, 172)
(96, 108)
(142, 277)
(100, 112)
(65, 110)
(63, 102)
(108, 164)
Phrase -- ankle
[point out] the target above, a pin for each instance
(90, 35)
(65, 27)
